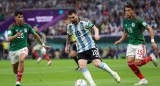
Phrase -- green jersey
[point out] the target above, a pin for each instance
(40, 35)
(134, 28)
(21, 41)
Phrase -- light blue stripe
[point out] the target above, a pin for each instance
(86, 36)
(101, 65)
(84, 70)
(80, 40)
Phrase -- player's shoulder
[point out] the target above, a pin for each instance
(137, 18)
(26, 24)
(70, 25)
(12, 25)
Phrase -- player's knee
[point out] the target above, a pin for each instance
(96, 64)
(82, 66)
(21, 60)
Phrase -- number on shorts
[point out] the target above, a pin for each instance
(95, 53)
(140, 52)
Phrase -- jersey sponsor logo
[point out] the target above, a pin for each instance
(133, 24)
(9, 32)
(144, 23)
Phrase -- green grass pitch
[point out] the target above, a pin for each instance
(62, 73)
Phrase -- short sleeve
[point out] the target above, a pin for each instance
(10, 31)
(69, 29)
(143, 24)
(31, 29)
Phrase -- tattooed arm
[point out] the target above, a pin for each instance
(68, 44)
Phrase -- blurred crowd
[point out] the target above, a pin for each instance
(107, 15)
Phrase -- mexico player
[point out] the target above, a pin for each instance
(86, 47)
(136, 51)
(17, 36)
(39, 47)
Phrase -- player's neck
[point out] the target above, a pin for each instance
(131, 17)
(19, 24)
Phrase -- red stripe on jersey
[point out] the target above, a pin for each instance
(26, 23)
(12, 25)
(137, 18)
(141, 37)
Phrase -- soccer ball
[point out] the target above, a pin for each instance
(80, 82)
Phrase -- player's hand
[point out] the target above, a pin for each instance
(97, 37)
(47, 47)
(18, 34)
(117, 42)
(154, 45)
(66, 50)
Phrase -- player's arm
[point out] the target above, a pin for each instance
(122, 38)
(10, 34)
(152, 36)
(68, 43)
(96, 31)
(10, 38)
(44, 37)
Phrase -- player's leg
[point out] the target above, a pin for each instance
(82, 61)
(98, 63)
(34, 51)
(141, 52)
(83, 64)
(43, 51)
(22, 55)
(14, 60)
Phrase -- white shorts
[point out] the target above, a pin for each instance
(39, 48)
(14, 55)
(137, 51)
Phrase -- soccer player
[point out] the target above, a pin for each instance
(17, 36)
(40, 47)
(86, 47)
(136, 51)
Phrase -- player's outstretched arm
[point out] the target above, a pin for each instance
(68, 44)
(154, 45)
(122, 38)
(39, 39)
(96, 31)
(44, 37)
(10, 38)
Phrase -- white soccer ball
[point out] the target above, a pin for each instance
(80, 82)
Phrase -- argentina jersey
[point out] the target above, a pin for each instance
(81, 32)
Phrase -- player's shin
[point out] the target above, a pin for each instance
(105, 67)
(135, 69)
(87, 75)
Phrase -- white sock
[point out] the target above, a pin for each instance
(88, 76)
(105, 67)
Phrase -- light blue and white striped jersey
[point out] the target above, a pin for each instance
(81, 32)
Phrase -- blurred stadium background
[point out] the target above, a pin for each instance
(107, 15)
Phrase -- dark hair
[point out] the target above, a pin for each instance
(18, 12)
(130, 6)
(72, 11)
